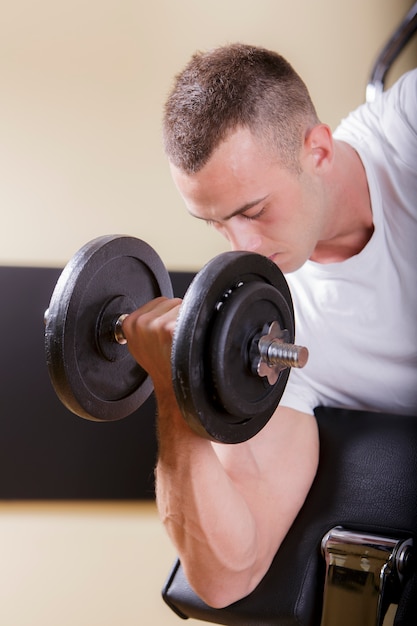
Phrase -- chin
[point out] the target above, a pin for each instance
(287, 266)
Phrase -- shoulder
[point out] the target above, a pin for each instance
(402, 97)
(397, 108)
(393, 111)
(384, 132)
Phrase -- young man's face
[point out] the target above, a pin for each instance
(256, 203)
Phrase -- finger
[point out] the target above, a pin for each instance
(158, 315)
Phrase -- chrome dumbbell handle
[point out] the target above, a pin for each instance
(275, 354)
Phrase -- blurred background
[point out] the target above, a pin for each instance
(82, 87)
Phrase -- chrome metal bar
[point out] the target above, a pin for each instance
(286, 354)
(276, 353)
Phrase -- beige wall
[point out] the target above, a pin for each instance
(82, 87)
(83, 565)
(81, 91)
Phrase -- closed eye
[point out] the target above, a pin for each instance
(248, 218)
(252, 218)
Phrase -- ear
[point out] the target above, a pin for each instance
(319, 147)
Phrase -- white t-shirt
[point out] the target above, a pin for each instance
(358, 318)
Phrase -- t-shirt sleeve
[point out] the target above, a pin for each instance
(298, 395)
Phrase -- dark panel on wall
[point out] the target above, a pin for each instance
(46, 452)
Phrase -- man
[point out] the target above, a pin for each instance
(338, 216)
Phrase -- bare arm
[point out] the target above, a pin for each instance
(227, 508)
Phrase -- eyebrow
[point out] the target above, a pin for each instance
(238, 211)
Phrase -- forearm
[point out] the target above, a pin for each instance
(205, 515)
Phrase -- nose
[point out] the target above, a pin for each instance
(241, 238)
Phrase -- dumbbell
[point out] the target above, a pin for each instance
(232, 349)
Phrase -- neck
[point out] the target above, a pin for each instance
(351, 220)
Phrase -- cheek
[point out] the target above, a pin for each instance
(279, 226)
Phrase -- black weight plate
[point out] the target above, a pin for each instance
(249, 309)
(94, 376)
(226, 306)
